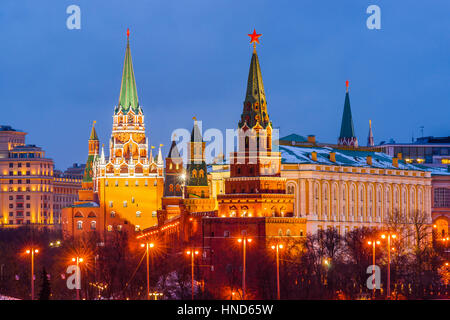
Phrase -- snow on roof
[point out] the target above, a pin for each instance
(354, 158)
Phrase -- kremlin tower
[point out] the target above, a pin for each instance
(255, 187)
(347, 136)
(122, 191)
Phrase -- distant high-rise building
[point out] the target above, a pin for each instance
(427, 151)
(26, 176)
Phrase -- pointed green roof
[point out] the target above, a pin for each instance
(347, 130)
(128, 93)
(255, 104)
(93, 132)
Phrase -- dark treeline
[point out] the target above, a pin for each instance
(325, 265)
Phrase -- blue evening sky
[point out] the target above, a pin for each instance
(191, 58)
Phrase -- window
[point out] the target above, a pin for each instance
(226, 234)
(138, 214)
(194, 173)
(112, 214)
(125, 204)
(442, 198)
(109, 228)
(137, 228)
(93, 225)
(80, 225)
(110, 204)
(201, 173)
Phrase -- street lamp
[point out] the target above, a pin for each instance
(147, 246)
(389, 236)
(277, 248)
(78, 260)
(192, 253)
(373, 243)
(32, 251)
(244, 253)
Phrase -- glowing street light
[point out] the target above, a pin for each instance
(32, 251)
(277, 248)
(78, 260)
(389, 236)
(148, 245)
(192, 253)
(244, 253)
(373, 243)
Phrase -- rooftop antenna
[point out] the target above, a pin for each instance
(421, 129)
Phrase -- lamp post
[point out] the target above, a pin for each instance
(244, 253)
(277, 248)
(373, 243)
(147, 246)
(389, 236)
(192, 253)
(32, 251)
(78, 260)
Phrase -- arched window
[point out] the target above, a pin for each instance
(80, 225)
(201, 173)
(194, 173)
(93, 225)
(177, 188)
(171, 187)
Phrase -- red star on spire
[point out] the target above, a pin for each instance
(254, 36)
(128, 33)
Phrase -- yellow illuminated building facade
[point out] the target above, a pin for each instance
(26, 181)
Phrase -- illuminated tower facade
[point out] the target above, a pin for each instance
(255, 187)
(130, 182)
(197, 194)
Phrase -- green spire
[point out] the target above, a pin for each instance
(255, 105)
(347, 130)
(88, 173)
(128, 93)
(347, 135)
(93, 132)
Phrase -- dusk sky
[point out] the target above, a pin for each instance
(191, 58)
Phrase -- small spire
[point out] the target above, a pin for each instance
(93, 132)
(160, 160)
(102, 157)
(370, 141)
(151, 154)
